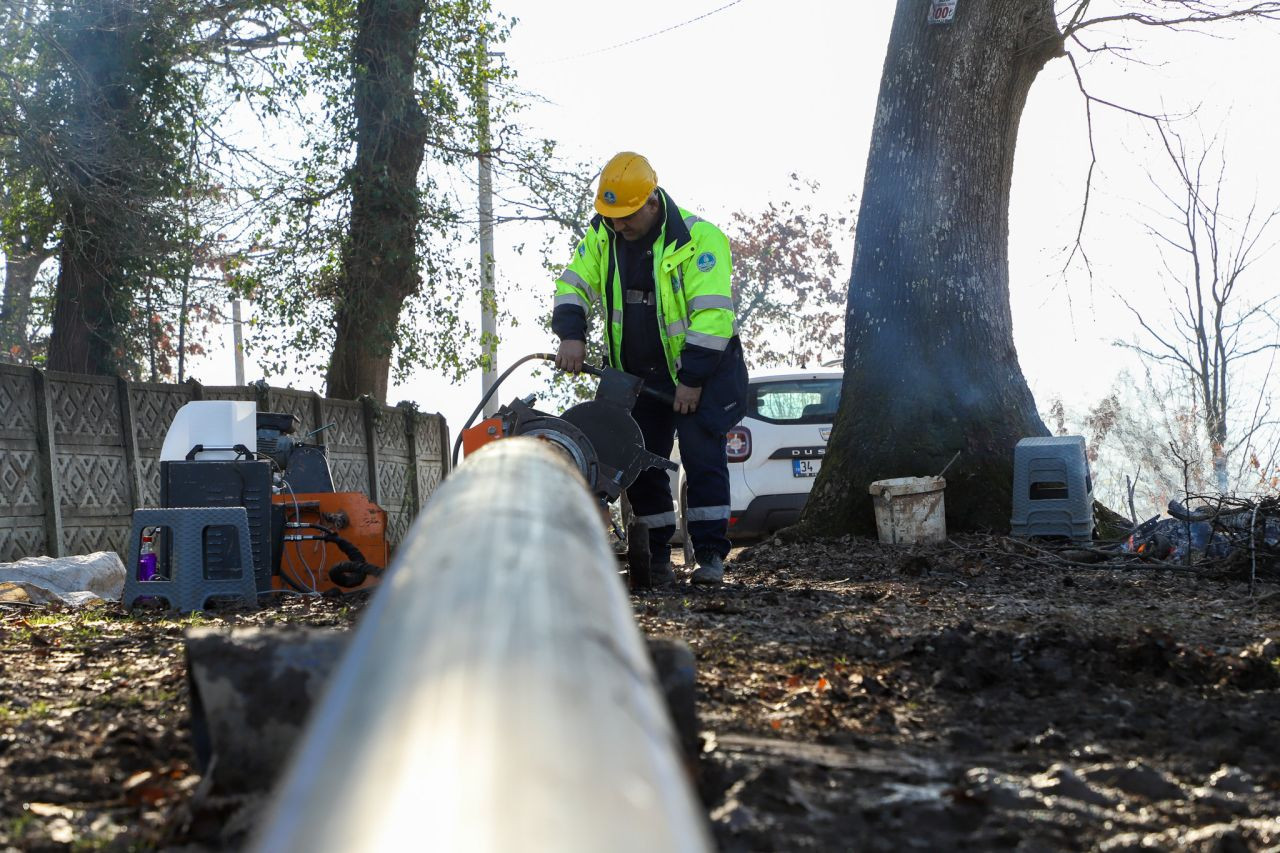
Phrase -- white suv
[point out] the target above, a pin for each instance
(775, 452)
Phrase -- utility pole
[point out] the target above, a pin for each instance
(238, 337)
(488, 293)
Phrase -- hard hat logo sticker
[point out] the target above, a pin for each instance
(609, 197)
(706, 262)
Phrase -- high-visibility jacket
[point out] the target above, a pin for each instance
(691, 271)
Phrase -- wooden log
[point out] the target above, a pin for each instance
(497, 695)
(251, 692)
(253, 689)
(677, 672)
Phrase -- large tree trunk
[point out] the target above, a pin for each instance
(87, 304)
(930, 366)
(1213, 396)
(101, 217)
(380, 258)
(20, 270)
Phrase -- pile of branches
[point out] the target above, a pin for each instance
(1243, 522)
(1224, 535)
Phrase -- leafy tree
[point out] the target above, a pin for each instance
(930, 366)
(111, 111)
(110, 143)
(378, 264)
(101, 139)
(360, 253)
(27, 216)
(26, 228)
(787, 288)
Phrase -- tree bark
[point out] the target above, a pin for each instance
(1218, 445)
(88, 304)
(252, 690)
(20, 270)
(930, 365)
(380, 258)
(101, 199)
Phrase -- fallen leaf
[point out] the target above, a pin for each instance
(11, 592)
(49, 810)
(146, 787)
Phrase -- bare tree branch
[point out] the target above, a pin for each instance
(1217, 334)
(1193, 13)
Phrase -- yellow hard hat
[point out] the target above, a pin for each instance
(625, 185)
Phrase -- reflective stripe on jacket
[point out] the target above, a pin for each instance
(691, 274)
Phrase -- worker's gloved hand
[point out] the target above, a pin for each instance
(687, 399)
(571, 356)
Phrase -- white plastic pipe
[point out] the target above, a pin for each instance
(497, 695)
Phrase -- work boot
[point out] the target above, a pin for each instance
(661, 575)
(710, 569)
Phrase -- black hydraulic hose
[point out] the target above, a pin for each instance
(297, 587)
(351, 551)
(355, 569)
(457, 444)
(355, 559)
(351, 574)
(660, 396)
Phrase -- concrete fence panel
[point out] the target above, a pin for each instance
(79, 453)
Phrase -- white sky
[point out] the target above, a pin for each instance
(728, 107)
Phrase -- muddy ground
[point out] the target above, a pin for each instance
(853, 696)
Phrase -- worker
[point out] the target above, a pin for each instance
(658, 278)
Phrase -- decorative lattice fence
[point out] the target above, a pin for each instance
(78, 453)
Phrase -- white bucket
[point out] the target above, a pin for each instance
(910, 510)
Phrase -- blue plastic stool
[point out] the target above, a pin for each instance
(1052, 489)
(186, 587)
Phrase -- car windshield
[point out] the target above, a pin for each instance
(795, 401)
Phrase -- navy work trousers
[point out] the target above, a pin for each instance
(706, 473)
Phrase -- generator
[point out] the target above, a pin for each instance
(219, 483)
(305, 536)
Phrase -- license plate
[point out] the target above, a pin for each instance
(805, 467)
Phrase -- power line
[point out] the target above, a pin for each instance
(640, 38)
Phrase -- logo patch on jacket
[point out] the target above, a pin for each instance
(609, 197)
(582, 250)
(706, 262)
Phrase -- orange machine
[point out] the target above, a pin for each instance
(308, 557)
(489, 429)
(599, 437)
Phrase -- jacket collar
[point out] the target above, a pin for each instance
(675, 232)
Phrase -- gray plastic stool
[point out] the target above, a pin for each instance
(1052, 489)
(187, 588)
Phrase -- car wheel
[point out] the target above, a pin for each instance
(684, 526)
